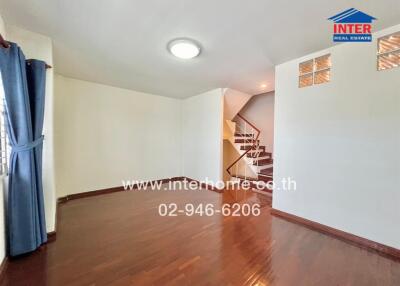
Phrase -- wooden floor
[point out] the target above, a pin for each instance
(119, 239)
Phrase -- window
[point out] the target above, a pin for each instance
(315, 71)
(389, 52)
(5, 149)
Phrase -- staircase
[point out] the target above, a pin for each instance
(254, 164)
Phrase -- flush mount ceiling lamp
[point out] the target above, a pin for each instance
(184, 48)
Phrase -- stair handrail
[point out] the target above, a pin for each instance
(252, 125)
(253, 147)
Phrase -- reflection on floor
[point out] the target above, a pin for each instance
(120, 239)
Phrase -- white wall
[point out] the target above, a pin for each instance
(105, 135)
(260, 112)
(40, 47)
(202, 120)
(3, 28)
(234, 101)
(341, 142)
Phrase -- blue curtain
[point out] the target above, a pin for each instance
(24, 87)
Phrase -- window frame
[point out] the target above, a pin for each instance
(315, 70)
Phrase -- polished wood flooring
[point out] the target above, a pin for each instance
(119, 239)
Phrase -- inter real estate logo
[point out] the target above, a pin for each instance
(352, 25)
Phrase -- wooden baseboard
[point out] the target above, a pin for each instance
(112, 190)
(382, 249)
(51, 236)
(120, 189)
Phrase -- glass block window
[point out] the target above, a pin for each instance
(389, 52)
(315, 71)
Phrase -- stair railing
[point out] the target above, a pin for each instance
(243, 126)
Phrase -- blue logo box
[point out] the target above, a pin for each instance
(352, 37)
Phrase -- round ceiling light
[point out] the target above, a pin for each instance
(184, 48)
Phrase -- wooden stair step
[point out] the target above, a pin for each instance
(267, 171)
(243, 135)
(249, 141)
(259, 178)
(244, 178)
(253, 182)
(247, 147)
(260, 154)
(263, 162)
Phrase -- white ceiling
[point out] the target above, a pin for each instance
(123, 42)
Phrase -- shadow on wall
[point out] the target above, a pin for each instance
(259, 110)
